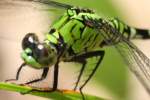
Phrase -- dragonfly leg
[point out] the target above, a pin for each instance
(18, 73)
(55, 81)
(80, 75)
(45, 71)
(82, 59)
(98, 53)
(44, 74)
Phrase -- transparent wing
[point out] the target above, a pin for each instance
(136, 60)
(138, 63)
(51, 3)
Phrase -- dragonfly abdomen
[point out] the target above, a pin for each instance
(129, 32)
(142, 33)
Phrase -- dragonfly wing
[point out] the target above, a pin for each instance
(49, 3)
(136, 60)
(138, 63)
(52, 3)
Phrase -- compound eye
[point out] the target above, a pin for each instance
(30, 41)
(41, 53)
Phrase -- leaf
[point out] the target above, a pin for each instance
(57, 95)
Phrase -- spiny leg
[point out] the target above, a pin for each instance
(44, 74)
(80, 75)
(82, 59)
(55, 81)
(101, 54)
(18, 73)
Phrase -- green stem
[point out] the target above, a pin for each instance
(57, 95)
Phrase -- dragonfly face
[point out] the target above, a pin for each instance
(37, 55)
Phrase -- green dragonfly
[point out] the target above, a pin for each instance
(80, 34)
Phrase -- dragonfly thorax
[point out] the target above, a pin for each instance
(36, 54)
(77, 31)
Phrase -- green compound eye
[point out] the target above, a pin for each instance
(26, 55)
(40, 56)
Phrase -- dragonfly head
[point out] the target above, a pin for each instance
(35, 54)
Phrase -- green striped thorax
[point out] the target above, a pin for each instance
(76, 32)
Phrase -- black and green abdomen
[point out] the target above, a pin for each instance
(128, 31)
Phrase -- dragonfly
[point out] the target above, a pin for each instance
(80, 34)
